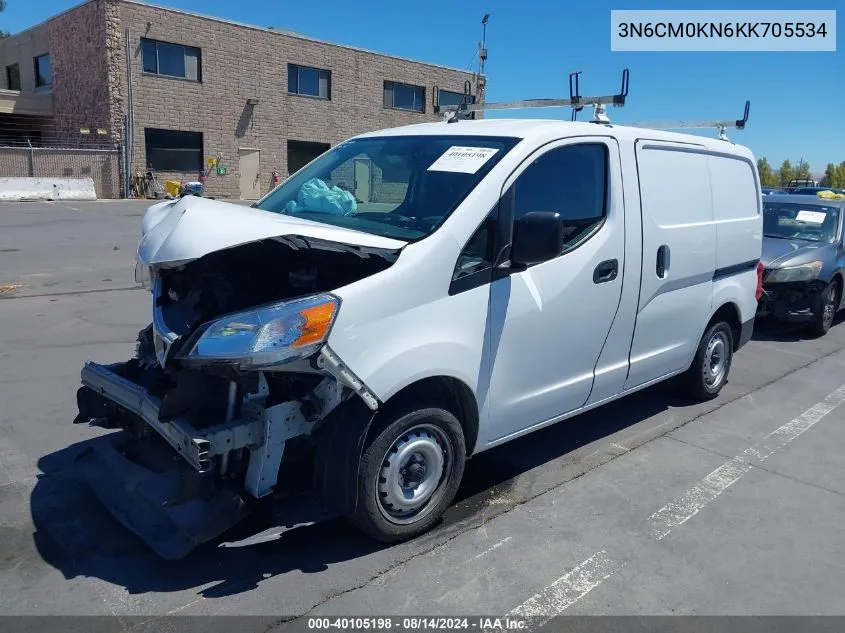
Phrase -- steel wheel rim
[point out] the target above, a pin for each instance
(829, 307)
(413, 474)
(716, 360)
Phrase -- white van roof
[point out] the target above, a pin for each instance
(551, 129)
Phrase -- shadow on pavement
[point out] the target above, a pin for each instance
(77, 536)
(778, 331)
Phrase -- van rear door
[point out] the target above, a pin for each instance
(678, 259)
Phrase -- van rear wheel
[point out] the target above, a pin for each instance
(409, 473)
(709, 370)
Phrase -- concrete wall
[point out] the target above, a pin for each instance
(240, 62)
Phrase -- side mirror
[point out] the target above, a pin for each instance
(537, 237)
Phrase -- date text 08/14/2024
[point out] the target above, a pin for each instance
(417, 623)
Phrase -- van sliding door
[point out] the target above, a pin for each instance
(678, 258)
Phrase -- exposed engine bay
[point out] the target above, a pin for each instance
(260, 272)
(242, 434)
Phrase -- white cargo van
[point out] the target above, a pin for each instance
(413, 297)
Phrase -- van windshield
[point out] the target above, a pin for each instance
(402, 187)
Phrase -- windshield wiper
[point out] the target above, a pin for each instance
(779, 237)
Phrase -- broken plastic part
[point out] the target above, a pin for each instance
(329, 361)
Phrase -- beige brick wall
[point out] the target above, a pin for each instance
(90, 85)
(242, 62)
(76, 42)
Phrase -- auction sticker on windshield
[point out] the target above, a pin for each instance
(466, 160)
(813, 217)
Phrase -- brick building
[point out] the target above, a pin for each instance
(179, 89)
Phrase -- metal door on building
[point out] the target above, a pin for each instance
(249, 167)
(363, 179)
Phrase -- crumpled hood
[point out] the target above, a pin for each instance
(779, 252)
(176, 232)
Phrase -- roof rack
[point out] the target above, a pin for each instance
(722, 126)
(465, 109)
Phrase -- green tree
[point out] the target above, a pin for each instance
(838, 176)
(2, 32)
(802, 169)
(767, 175)
(786, 173)
(828, 178)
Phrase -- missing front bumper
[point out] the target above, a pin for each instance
(172, 511)
(788, 302)
(196, 446)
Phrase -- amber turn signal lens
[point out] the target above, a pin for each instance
(317, 322)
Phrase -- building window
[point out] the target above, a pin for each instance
(13, 77)
(171, 60)
(404, 96)
(311, 82)
(171, 150)
(300, 153)
(43, 71)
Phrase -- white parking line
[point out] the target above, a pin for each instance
(683, 508)
(568, 589)
(489, 549)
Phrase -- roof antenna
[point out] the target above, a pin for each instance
(463, 105)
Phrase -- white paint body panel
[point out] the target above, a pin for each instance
(176, 232)
(544, 344)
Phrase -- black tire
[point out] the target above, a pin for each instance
(700, 381)
(824, 310)
(407, 427)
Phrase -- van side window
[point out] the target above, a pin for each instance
(476, 255)
(570, 180)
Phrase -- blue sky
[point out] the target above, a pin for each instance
(796, 98)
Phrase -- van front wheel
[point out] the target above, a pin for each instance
(409, 474)
(709, 370)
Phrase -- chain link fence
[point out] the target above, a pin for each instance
(34, 148)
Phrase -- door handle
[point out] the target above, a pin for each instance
(606, 271)
(662, 260)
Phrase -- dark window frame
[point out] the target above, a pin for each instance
(37, 70)
(157, 72)
(162, 147)
(393, 105)
(296, 91)
(9, 68)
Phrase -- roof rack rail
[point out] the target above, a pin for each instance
(464, 110)
(722, 126)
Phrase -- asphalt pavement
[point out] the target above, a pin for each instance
(650, 505)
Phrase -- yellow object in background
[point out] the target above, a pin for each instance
(829, 195)
(172, 187)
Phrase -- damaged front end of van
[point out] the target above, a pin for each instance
(233, 396)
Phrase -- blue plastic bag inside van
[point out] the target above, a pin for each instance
(316, 195)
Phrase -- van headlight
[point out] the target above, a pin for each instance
(804, 272)
(267, 335)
